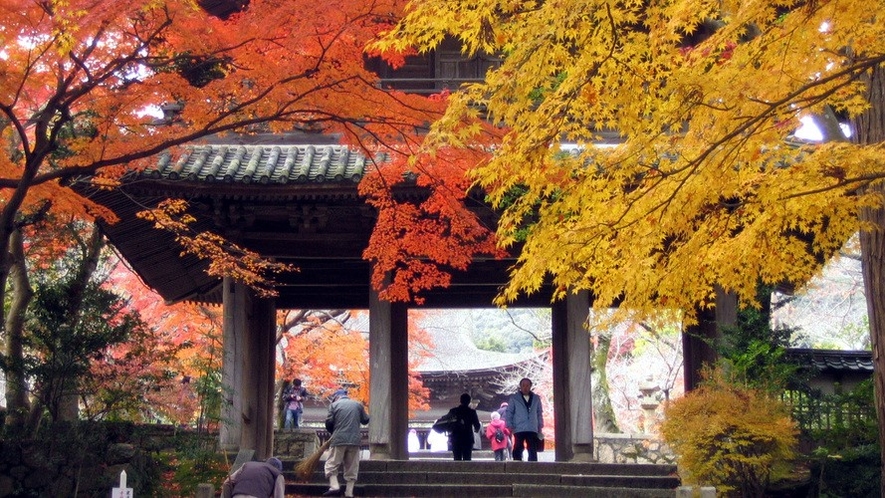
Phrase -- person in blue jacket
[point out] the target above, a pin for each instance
(525, 419)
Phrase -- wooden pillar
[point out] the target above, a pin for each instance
(389, 384)
(248, 371)
(572, 393)
(258, 378)
(699, 341)
(233, 340)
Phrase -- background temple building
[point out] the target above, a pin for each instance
(454, 366)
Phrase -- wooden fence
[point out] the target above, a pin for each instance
(824, 413)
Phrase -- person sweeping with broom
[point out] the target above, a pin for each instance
(343, 422)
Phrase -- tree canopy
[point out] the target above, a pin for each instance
(83, 82)
(705, 186)
(708, 184)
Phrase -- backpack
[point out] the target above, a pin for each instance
(446, 423)
(499, 434)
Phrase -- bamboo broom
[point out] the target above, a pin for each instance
(305, 468)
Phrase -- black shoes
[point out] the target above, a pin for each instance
(334, 492)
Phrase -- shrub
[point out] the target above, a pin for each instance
(183, 472)
(853, 473)
(730, 436)
(193, 460)
(846, 462)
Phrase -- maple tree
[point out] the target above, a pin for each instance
(65, 324)
(82, 342)
(58, 317)
(82, 81)
(190, 331)
(706, 184)
(416, 243)
(322, 348)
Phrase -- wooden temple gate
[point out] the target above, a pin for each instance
(293, 199)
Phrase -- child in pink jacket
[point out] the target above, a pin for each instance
(500, 442)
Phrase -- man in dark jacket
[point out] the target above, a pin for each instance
(462, 436)
(343, 421)
(256, 480)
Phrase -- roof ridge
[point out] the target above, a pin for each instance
(262, 163)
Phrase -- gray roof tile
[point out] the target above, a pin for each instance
(832, 360)
(264, 164)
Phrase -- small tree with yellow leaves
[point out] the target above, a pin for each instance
(730, 436)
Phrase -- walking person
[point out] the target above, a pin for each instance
(499, 436)
(343, 422)
(293, 401)
(461, 437)
(508, 452)
(256, 480)
(525, 418)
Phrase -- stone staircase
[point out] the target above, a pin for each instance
(486, 478)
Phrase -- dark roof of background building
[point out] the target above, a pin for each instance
(825, 360)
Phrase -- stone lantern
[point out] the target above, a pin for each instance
(649, 402)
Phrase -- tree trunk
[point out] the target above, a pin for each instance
(17, 402)
(603, 414)
(699, 341)
(12, 265)
(68, 403)
(869, 129)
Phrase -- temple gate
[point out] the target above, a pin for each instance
(293, 198)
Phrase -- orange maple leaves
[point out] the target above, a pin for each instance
(226, 258)
(421, 235)
(326, 352)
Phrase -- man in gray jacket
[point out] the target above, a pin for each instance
(525, 419)
(343, 422)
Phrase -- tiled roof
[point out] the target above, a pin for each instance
(265, 164)
(453, 350)
(458, 353)
(832, 360)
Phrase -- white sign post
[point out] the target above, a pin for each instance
(122, 491)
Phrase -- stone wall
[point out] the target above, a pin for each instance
(85, 459)
(632, 448)
(295, 444)
(31, 468)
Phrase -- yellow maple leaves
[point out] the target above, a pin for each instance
(707, 185)
(731, 436)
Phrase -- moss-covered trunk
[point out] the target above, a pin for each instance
(604, 414)
(870, 129)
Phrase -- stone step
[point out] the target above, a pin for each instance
(536, 491)
(483, 491)
(515, 467)
(372, 477)
(395, 478)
